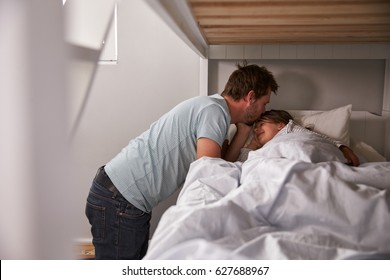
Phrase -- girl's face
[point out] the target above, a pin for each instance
(266, 130)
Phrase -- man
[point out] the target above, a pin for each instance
(154, 165)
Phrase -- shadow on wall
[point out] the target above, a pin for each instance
(315, 84)
(296, 92)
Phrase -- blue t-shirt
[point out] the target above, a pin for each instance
(155, 164)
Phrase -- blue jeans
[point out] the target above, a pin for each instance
(119, 230)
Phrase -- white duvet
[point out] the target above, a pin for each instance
(279, 205)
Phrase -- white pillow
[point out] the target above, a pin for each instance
(333, 123)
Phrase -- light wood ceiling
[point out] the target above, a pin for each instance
(292, 21)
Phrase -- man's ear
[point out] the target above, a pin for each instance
(250, 97)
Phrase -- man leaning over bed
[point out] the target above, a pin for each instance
(155, 164)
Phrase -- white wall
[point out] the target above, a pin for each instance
(316, 84)
(42, 195)
(35, 217)
(323, 84)
(155, 71)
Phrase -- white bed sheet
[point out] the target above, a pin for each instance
(278, 208)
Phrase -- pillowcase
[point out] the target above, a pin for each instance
(333, 123)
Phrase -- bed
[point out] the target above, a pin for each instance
(287, 201)
(306, 210)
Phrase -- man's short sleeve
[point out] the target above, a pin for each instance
(212, 123)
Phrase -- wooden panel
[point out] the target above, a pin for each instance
(294, 21)
(84, 251)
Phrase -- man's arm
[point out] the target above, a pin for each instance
(207, 147)
(238, 141)
(349, 155)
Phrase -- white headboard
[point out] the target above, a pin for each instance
(369, 128)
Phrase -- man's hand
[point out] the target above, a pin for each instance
(238, 141)
(352, 159)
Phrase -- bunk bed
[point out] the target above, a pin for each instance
(285, 202)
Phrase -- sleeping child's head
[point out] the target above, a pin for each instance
(269, 124)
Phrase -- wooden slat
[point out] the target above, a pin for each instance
(290, 28)
(253, 21)
(296, 38)
(294, 20)
(309, 35)
(328, 9)
(267, 32)
(313, 37)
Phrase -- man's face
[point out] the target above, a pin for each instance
(256, 108)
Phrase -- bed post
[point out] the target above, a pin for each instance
(386, 108)
(203, 76)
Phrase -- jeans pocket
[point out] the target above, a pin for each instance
(97, 218)
(132, 212)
